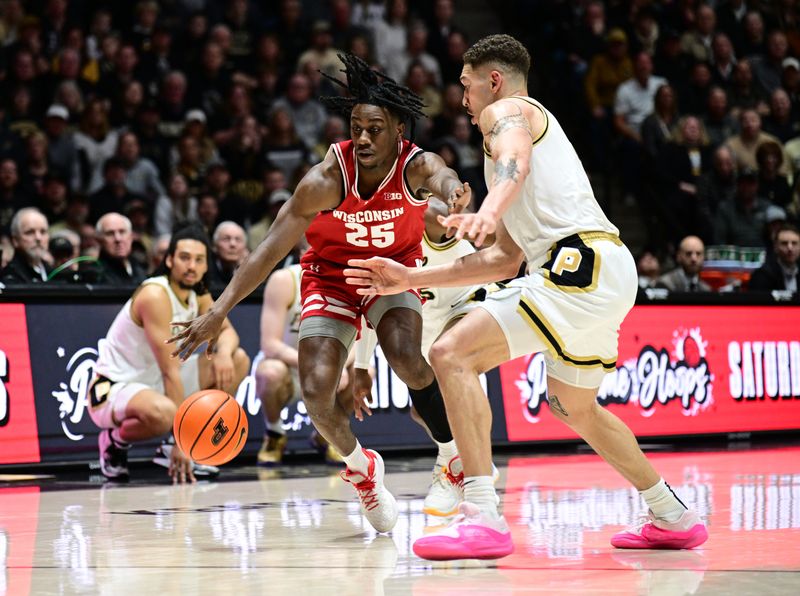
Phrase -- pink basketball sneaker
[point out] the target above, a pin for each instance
(689, 531)
(471, 535)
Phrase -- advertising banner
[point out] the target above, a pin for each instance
(681, 370)
(63, 366)
(19, 441)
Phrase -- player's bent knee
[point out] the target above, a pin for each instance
(443, 354)
(159, 416)
(272, 372)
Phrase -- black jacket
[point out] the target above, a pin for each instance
(112, 272)
(769, 277)
(18, 271)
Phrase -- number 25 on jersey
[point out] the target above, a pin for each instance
(379, 236)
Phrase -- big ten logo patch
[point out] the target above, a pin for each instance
(4, 401)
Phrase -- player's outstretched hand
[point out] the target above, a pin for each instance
(460, 198)
(362, 392)
(206, 327)
(378, 276)
(473, 226)
(180, 467)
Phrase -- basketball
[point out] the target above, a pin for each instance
(210, 427)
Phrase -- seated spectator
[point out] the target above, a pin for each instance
(95, 143)
(230, 249)
(173, 105)
(36, 167)
(138, 211)
(780, 122)
(114, 266)
(771, 184)
(686, 276)
(125, 110)
(189, 164)
(722, 60)
(258, 231)
(717, 120)
(780, 271)
(283, 148)
(648, 267)
(55, 199)
(768, 67)
(791, 84)
(415, 51)
(682, 162)
(657, 127)
(30, 239)
(195, 127)
(61, 151)
(321, 51)
(178, 206)
(208, 212)
(718, 185)
(245, 155)
(694, 92)
(141, 176)
(11, 197)
(745, 144)
(65, 248)
(334, 131)
(633, 103)
(113, 195)
(740, 222)
(697, 43)
(418, 81)
(230, 205)
(306, 113)
(743, 94)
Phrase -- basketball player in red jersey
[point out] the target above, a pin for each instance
(368, 197)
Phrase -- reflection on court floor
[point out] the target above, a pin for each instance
(306, 535)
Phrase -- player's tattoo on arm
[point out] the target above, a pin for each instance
(504, 123)
(556, 405)
(506, 171)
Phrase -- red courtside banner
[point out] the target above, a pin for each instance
(681, 370)
(19, 438)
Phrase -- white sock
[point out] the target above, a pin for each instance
(275, 427)
(117, 438)
(357, 461)
(479, 490)
(447, 451)
(663, 502)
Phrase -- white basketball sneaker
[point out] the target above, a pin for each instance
(377, 503)
(447, 488)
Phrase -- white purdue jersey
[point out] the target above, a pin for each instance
(439, 301)
(556, 199)
(125, 355)
(292, 331)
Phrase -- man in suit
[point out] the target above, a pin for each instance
(780, 271)
(29, 236)
(686, 276)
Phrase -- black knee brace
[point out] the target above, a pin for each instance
(430, 406)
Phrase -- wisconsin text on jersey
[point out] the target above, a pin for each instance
(369, 216)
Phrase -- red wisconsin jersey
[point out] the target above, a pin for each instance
(389, 224)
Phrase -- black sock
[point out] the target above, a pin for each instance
(430, 406)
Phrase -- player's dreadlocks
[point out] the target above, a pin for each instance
(375, 88)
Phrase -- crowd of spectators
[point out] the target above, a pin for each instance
(119, 120)
(691, 108)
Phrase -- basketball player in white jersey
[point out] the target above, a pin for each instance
(580, 284)
(277, 374)
(441, 309)
(138, 386)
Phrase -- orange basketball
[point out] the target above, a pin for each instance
(210, 427)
